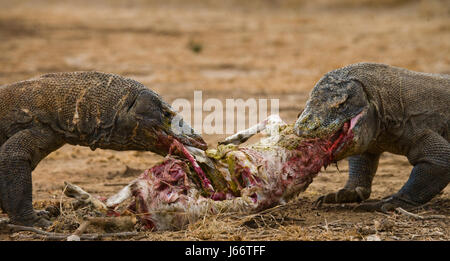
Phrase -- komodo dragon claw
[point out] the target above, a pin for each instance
(43, 214)
(42, 222)
(34, 221)
(344, 196)
(386, 205)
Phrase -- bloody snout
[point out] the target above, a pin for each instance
(305, 125)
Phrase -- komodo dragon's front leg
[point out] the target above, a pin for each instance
(19, 155)
(430, 175)
(362, 169)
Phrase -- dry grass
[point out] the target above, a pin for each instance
(286, 222)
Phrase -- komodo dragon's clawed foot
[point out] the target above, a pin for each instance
(43, 214)
(388, 204)
(344, 196)
(42, 222)
(32, 221)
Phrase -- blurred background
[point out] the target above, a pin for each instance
(228, 49)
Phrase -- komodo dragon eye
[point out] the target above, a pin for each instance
(168, 114)
(336, 101)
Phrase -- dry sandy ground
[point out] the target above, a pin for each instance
(262, 49)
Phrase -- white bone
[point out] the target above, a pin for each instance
(82, 196)
(119, 197)
(269, 126)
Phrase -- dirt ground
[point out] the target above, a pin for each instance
(255, 49)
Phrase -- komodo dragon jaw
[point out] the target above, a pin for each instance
(337, 111)
(173, 127)
(157, 136)
(150, 123)
(183, 132)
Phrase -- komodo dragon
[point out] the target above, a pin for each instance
(92, 109)
(389, 109)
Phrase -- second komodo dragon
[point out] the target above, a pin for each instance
(389, 109)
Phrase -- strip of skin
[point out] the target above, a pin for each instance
(244, 179)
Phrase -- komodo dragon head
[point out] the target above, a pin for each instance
(151, 124)
(338, 110)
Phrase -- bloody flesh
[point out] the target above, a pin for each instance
(206, 184)
(251, 178)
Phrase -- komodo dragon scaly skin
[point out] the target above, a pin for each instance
(389, 109)
(92, 109)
